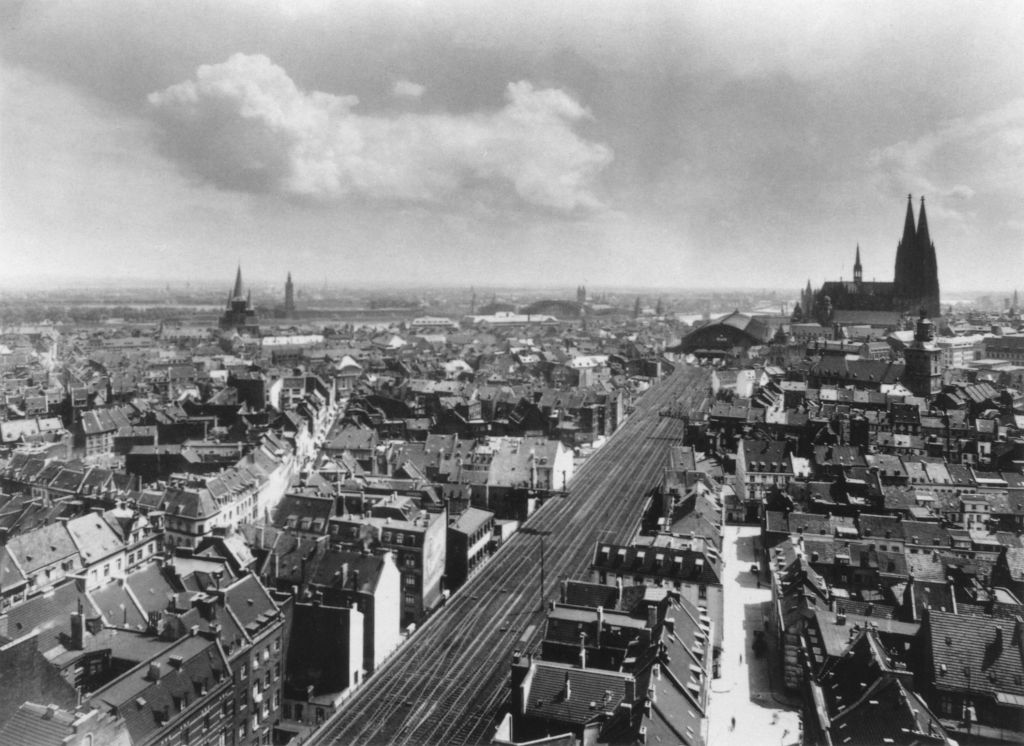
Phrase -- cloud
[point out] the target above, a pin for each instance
(407, 89)
(245, 125)
(970, 165)
(961, 192)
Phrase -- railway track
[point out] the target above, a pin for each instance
(450, 683)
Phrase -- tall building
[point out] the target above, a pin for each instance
(239, 313)
(914, 286)
(289, 296)
(923, 372)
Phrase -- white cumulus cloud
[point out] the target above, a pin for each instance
(407, 89)
(244, 124)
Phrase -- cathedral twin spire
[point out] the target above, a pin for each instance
(917, 276)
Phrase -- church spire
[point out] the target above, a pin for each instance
(237, 292)
(923, 239)
(858, 270)
(929, 265)
(906, 269)
(908, 225)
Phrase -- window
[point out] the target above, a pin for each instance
(702, 592)
(319, 715)
(410, 580)
(399, 538)
(945, 704)
(286, 711)
(410, 600)
(243, 671)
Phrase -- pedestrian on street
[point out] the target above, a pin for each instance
(733, 726)
(741, 659)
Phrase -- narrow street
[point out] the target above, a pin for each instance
(749, 688)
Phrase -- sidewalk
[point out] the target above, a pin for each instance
(745, 691)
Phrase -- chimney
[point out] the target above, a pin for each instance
(840, 618)
(78, 629)
(652, 616)
(568, 687)
(154, 671)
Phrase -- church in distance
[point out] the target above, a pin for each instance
(914, 287)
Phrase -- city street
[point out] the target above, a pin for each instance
(749, 688)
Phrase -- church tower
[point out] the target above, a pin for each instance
(923, 372)
(905, 250)
(289, 296)
(929, 277)
(916, 283)
(239, 313)
(858, 270)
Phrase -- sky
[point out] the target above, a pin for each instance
(661, 144)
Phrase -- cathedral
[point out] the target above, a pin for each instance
(914, 287)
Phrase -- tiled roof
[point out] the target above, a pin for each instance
(41, 547)
(94, 537)
(38, 725)
(977, 653)
(49, 612)
(250, 602)
(151, 587)
(117, 606)
(590, 692)
(193, 665)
